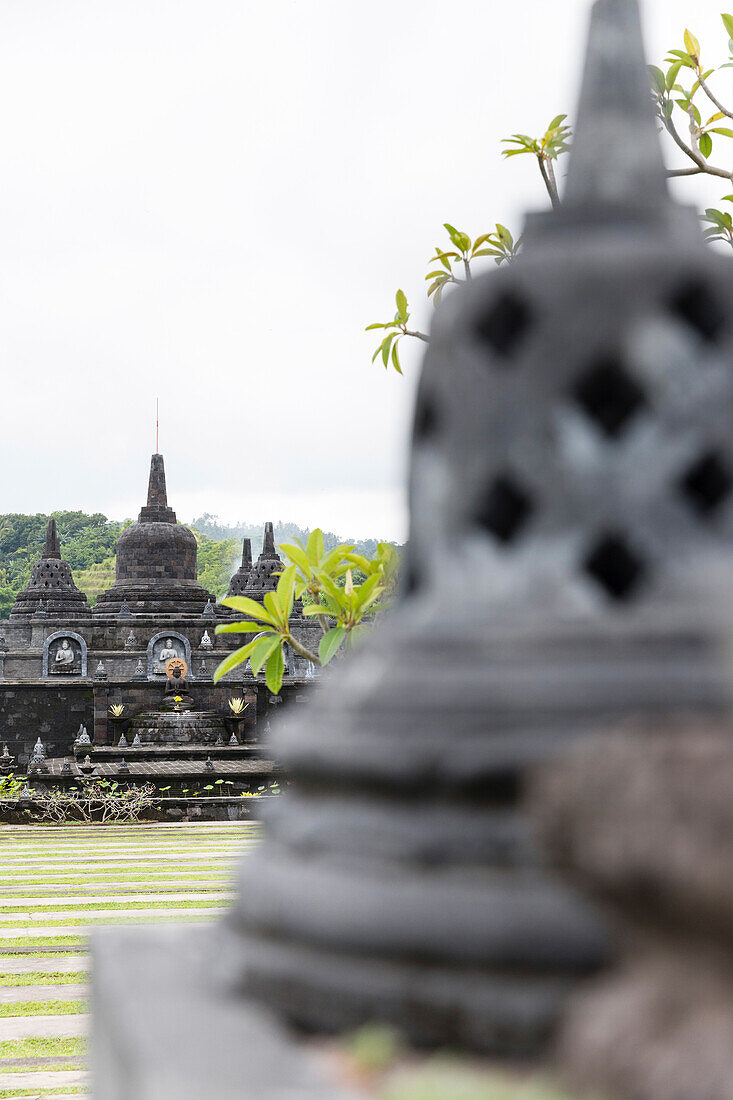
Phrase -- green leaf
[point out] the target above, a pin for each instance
(274, 671)
(366, 592)
(262, 649)
(504, 235)
(276, 609)
(728, 23)
(659, 82)
(672, 74)
(360, 562)
(333, 557)
(395, 358)
(312, 609)
(379, 324)
(386, 345)
(298, 555)
(314, 546)
(402, 306)
(556, 122)
(239, 628)
(233, 660)
(330, 644)
(706, 145)
(692, 45)
(285, 587)
(724, 130)
(247, 607)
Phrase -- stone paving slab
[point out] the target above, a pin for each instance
(44, 1027)
(93, 915)
(17, 994)
(45, 964)
(40, 1079)
(25, 851)
(146, 916)
(88, 861)
(92, 899)
(114, 878)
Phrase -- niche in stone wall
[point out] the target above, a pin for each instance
(162, 647)
(64, 654)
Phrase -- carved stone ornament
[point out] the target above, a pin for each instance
(163, 647)
(65, 654)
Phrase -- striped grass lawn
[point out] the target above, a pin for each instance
(47, 873)
(44, 1008)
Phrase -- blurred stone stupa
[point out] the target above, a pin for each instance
(571, 529)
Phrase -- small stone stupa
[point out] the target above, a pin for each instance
(156, 570)
(240, 581)
(51, 581)
(263, 575)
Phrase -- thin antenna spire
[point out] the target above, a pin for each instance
(157, 448)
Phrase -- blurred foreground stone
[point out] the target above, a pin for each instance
(642, 819)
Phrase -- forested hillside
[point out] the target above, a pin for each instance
(88, 544)
(284, 532)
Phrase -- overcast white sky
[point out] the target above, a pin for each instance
(208, 200)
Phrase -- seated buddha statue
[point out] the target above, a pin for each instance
(65, 656)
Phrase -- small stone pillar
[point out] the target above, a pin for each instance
(101, 692)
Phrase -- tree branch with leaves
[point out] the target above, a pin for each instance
(675, 96)
(455, 262)
(325, 582)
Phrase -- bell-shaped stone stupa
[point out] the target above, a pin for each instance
(156, 569)
(51, 582)
(240, 581)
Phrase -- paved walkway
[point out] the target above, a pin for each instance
(57, 882)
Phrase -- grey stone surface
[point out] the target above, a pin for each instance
(166, 1028)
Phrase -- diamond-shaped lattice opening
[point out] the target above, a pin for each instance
(410, 580)
(426, 418)
(707, 483)
(505, 323)
(609, 396)
(699, 308)
(616, 568)
(505, 509)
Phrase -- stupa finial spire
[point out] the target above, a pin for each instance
(616, 158)
(52, 546)
(157, 494)
(246, 553)
(268, 543)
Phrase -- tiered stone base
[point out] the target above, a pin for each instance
(170, 727)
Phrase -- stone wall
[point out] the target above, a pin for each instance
(54, 711)
(44, 709)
